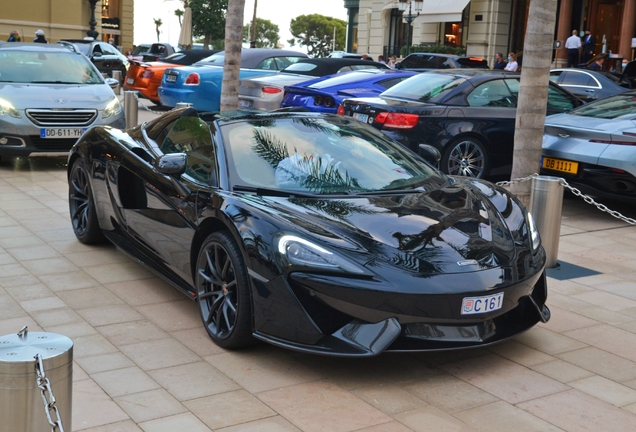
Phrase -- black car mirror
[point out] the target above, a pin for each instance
(429, 153)
(112, 82)
(172, 164)
(97, 54)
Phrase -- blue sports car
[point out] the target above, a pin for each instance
(325, 94)
(200, 84)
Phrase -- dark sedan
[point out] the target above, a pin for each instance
(426, 61)
(311, 232)
(469, 115)
(588, 85)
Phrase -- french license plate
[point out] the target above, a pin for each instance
(130, 81)
(482, 304)
(560, 165)
(244, 103)
(361, 117)
(61, 132)
(171, 78)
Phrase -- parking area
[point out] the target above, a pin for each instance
(143, 362)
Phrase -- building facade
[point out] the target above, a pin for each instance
(485, 27)
(68, 19)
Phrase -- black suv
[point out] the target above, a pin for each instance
(426, 61)
(104, 56)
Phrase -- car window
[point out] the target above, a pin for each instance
(108, 49)
(577, 79)
(415, 62)
(555, 75)
(424, 87)
(284, 61)
(300, 67)
(492, 93)
(618, 106)
(558, 100)
(267, 64)
(191, 135)
(391, 82)
(362, 66)
(97, 49)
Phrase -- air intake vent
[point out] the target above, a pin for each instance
(43, 117)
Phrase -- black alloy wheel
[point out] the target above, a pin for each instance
(222, 292)
(465, 157)
(82, 207)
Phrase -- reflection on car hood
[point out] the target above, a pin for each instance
(23, 96)
(583, 122)
(450, 230)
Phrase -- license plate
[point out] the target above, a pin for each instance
(560, 165)
(171, 78)
(361, 117)
(482, 304)
(61, 132)
(244, 103)
(130, 81)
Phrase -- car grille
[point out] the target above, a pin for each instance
(52, 145)
(70, 117)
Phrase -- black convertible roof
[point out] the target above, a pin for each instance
(187, 57)
(328, 66)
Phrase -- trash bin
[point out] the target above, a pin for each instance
(22, 408)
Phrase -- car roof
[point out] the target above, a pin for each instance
(422, 54)
(30, 46)
(252, 56)
(188, 57)
(472, 73)
(328, 66)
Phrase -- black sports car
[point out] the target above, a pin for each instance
(467, 114)
(314, 233)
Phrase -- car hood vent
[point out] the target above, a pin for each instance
(66, 117)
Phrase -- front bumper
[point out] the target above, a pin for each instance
(600, 181)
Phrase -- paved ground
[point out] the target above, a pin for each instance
(143, 361)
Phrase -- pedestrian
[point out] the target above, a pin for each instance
(589, 44)
(392, 62)
(598, 64)
(512, 65)
(39, 37)
(367, 57)
(14, 36)
(500, 63)
(573, 45)
(381, 59)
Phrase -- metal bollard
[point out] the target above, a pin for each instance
(117, 76)
(182, 105)
(546, 205)
(130, 109)
(22, 406)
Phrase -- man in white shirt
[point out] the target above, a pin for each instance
(573, 45)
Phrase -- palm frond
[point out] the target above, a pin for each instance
(269, 148)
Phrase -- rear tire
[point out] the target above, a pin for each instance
(466, 157)
(82, 207)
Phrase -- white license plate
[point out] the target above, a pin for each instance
(482, 304)
(361, 117)
(130, 81)
(171, 78)
(244, 103)
(61, 132)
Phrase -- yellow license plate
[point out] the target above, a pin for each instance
(560, 165)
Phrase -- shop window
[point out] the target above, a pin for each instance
(453, 34)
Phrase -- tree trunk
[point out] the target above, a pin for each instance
(233, 43)
(533, 93)
(253, 39)
(206, 41)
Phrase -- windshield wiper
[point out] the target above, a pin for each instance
(418, 189)
(272, 192)
(54, 82)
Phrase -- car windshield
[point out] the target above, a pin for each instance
(299, 67)
(214, 58)
(321, 155)
(613, 107)
(425, 87)
(46, 68)
(141, 49)
(347, 78)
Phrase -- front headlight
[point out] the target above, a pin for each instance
(7, 108)
(535, 238)
(113, 108)
(300, 252)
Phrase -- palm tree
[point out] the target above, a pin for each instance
(233, 44)
(179, 14)
(533, 93)
(158, 23)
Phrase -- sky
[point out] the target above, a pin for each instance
(280, 12)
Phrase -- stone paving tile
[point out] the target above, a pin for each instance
(172, 316)
(606, 390)
(83, 298)
(106, 315)
(274, 424)
(503, 417)
(92, 407)
(180, 422)
(132, 332)
(389, 398)
(561, 371)
(121, 382)
(611, 339)
(159, 354)
(145, 291)
(430, 418)
(149, 405)
(193, 380)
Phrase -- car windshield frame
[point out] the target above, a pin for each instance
(610, 108)
(47, 67)
(320, 155)
(425, 87)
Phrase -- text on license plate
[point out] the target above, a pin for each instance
(171, 78)
(61, 132)
(361, 117)
(130, 81)
(560, 165)
(482, 304)
(245, 103)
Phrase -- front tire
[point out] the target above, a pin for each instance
(82, 206)
(466, 157)
(223, 292)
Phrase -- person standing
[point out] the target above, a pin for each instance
(14, 36)
(589, 44)
(573, 45)
(39, 37)
(512, 65)
(500, 63)
(392, 62)
(381, 59)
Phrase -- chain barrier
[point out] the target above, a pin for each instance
(47, 397)
(588, 199)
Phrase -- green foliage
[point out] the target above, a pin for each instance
(442, 49)
(208, 18)
(269, 148)
(158, 23)
(179, 14)
(266, 33)
(316, 33)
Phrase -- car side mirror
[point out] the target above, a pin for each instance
(112, 82)
(172, 164)
(429, 153)
(97, 54)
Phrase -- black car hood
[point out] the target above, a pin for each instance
(453, 229)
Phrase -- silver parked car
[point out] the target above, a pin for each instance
(49, 96)
(593, 147)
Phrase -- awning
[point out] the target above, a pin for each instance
(435, 11)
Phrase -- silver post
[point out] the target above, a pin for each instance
(130, 109)
(546, 205)
(117, 76)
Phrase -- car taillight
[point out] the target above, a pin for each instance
(397, 120)
(147, 74)
(341, 110)
(192, 79)
(271, 90)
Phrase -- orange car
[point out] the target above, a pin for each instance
(145, 78)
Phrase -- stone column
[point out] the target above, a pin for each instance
(627, 29)
(564, 31)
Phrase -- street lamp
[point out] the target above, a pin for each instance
(410, 5)
(92, 23)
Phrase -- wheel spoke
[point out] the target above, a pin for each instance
(205, 295)
(209, 279)
(225, 316)
(214, 310)
(213, 270)
(226, 265)
(219, 314)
